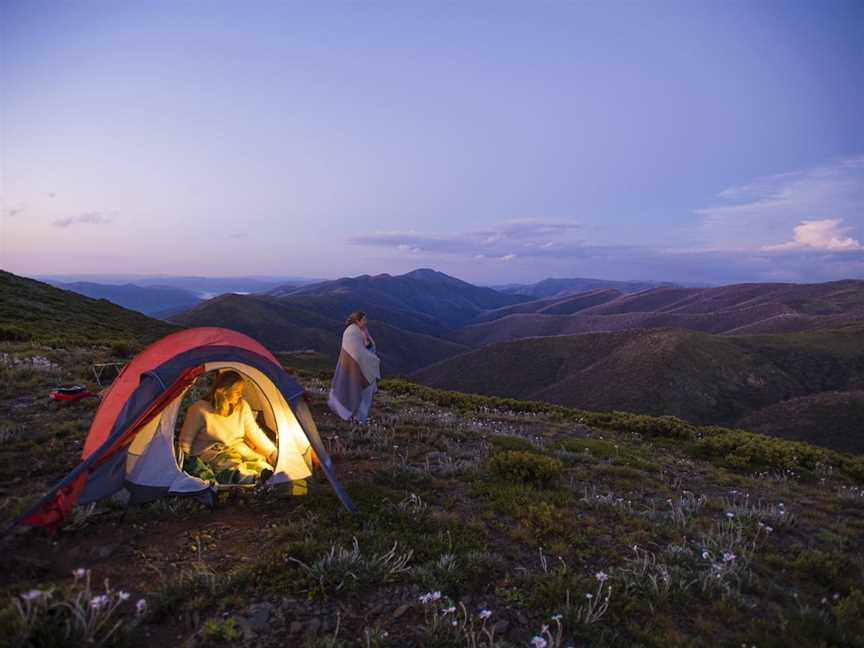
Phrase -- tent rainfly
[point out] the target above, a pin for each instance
(131, 440)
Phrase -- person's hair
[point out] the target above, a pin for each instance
(355, 318)
(221, 384)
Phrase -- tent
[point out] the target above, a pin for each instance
(131, 440)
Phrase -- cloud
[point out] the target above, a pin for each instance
(744, 236)
(88, 218)
(824, 234)
(759, 211)
(506, 241)
(12, 212)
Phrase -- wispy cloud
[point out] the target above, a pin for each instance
(88, 218)
(12, 212)
(505, 241)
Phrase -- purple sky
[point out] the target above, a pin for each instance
(684, 141)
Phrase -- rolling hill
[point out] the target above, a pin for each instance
(699, 377)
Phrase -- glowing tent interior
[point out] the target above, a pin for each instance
(131, 439)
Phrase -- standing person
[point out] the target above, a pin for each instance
(358, 370)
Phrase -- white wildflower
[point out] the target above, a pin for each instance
(32, 595)
(728, 556)
(485, 614)
(430, 597)
(589, 595)
(450, 610)
(98, 602)
(79, 573)
(123, 596)
(538, 642)
(601, 577)
(557, 617)
(140, 607)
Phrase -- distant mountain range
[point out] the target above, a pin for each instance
(736, 309)
(423, 301)
(205, 287)
(787, 359)
(285, 327)
(150, 301)
(174, 296)
(409, 315)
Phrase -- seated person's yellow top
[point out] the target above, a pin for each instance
(203, 428)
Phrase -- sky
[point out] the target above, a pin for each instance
(498, 142)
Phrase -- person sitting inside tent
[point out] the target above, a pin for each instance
(220, 431)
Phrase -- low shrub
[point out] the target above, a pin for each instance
(14, 333)
(597, 447)
(670, 427)
(831, 570)
(509, 442)
(746, 450)
(528, 467)
(348, 571)
(221, 630)
(849, 613)
(124, 348)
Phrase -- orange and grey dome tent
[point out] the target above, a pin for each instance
(131, 440)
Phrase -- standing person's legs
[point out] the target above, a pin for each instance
(362, 413)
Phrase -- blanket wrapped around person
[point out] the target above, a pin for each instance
(358, 370)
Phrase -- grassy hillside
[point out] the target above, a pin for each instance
(32, 311)
(481, 522)
(702, 378)
(284, 326)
